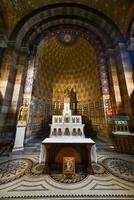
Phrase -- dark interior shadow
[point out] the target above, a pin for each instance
(131, 122)
(88, 128)
(45, 127)
(1, 100)
(132, 102)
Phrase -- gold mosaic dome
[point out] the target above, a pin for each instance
(73, 66)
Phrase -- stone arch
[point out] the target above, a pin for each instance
(129, 21)
(67, 8)
(39, 18)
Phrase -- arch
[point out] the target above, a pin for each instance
(67, 151)
(3, 19)
(32, 28)
(80, 11)
(130, 31)
(33, 35)
(129, 21)
(99, 44)
(90, 36)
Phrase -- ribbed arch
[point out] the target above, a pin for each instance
(97, 42)
(73, 11)
(34, 34)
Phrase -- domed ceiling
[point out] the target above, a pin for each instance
(67, 61)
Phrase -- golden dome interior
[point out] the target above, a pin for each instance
(62, 66)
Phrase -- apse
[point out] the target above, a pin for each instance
(66, 59)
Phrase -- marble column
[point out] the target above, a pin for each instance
(125, 75)
(8, 75)
(115, 89)
(1, 72)
(30, 77)
(130, 48)
(28, 89)
(104, 85)
(17, 98)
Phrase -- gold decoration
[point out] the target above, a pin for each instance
(68, 66)
(23, 112)
(67, 37)
(68, 165)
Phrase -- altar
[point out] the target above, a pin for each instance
(50, 148)
(66, 124)
(67, 139)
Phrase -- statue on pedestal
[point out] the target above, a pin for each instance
(22, 116)
(21, 127)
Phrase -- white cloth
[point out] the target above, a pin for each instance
(42, 156)
(93, 154)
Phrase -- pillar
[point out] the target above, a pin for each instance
(7, 79)
(104, 85)
(131, 52)
(1, 58)
(28, 90)
(19, 83)
(115, 89)
(125, 75)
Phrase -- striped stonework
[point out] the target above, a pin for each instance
(19, 82)
(115, 90)
(8, 77)
(125, 76)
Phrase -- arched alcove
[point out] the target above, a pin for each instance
(104, 35)
(79, 153)
(64, 65)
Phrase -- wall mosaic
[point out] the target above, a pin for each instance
(61, 66)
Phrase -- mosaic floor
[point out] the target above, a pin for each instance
(21, 177)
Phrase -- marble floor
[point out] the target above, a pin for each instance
(21, 177)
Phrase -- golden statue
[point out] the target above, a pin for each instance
(23, 112)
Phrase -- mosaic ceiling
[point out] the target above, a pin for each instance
(118, 10)
(67, 61)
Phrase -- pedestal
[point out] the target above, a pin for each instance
(19, 138)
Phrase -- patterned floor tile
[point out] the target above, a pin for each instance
(21, 176)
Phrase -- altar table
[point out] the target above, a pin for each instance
(73, 140)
